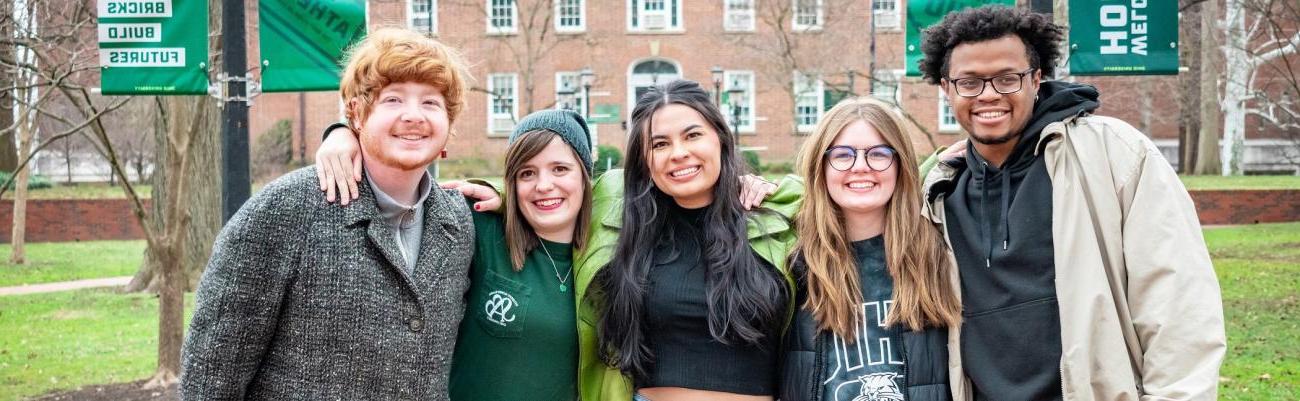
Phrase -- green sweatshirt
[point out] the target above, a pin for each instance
(518, 340)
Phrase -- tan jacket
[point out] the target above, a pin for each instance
(1134, 281)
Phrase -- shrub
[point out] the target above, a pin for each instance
(607, 157)
(779, 168)
(751, 159)
(468, 167)
(33, 181)
(272, 152)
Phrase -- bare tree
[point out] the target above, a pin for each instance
(1211, 121)
(529, 42)
(63, 63)
(1257, 34)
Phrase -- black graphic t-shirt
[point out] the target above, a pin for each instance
(870, 368)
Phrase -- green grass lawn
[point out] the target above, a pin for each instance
(65, 340)
(69, 339)
(83, 191)
(1195, 182)
(65, 261)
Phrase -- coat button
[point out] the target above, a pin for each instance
(415, 324)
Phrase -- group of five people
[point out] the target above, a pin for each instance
(1053, 256)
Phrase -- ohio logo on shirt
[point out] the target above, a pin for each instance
(499, 306)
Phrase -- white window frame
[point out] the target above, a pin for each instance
(582, 17)
(432, 14)
(492, 115)
(731, 14)
(575, 77)
(514, 18)
(637, 19)
(820, 16)
(894, 79)
(945, 113)
(885, 17)
(815, 93)
(751, 98)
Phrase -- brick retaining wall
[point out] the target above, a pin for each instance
(104, 219)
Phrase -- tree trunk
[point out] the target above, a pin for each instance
(8, 142)
(26, 131)
(1207, 160)
(1189, 82)
(1236, 89)
(203, 203)
(171, 318)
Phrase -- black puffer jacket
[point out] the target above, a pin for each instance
(805, 349)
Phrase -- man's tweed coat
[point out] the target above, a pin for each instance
(304, 300)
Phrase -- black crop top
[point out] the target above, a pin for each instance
(685, 354)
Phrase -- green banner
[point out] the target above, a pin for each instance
(302, 42)
(1123, 37)
(923, 13)
(604, 114)
(153, 47)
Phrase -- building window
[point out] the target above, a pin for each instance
(884, 85)
(501, 16)
(738, 99)
(808, 98)
(807, 14)
(570, 15)
(569, 94)
(654, 15)
(422, 15)
(885, 13)
(502, 96)
(738, 15)
(947, 120)
(648, 73)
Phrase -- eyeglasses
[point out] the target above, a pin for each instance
(878, 157)
(1005, 84)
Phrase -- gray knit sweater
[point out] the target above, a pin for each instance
(304, 300)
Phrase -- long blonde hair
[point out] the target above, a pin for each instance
(915, 254)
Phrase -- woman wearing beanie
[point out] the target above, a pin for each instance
(518, 338)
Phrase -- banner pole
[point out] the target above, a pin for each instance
(235, 183)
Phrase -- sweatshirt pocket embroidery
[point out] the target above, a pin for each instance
(501, 306)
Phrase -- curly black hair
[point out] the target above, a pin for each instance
(1040, 35)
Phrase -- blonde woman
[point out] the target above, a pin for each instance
(873, 285)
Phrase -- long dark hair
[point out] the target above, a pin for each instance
(745, 296)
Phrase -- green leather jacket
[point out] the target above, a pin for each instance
(770, 235)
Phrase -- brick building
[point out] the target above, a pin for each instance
(783, 63)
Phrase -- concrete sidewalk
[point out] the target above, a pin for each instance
(65, 286)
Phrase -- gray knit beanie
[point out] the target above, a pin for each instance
(571, 127)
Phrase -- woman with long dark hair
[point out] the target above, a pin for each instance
(690, 293)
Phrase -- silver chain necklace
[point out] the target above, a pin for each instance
(564, 280)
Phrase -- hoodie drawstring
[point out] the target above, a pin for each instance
(986, 228)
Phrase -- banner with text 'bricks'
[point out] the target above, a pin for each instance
(153, 47)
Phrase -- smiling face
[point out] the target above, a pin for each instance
(860, 191)
(684, 156)
(992, 118)
(405, 128)
(549, 191)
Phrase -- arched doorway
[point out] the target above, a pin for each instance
(646, 73)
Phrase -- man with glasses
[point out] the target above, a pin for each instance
(1081, 264)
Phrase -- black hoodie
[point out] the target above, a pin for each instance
(1000, 223)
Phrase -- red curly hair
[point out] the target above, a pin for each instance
(394, 55)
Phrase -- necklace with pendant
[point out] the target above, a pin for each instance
(564, 280)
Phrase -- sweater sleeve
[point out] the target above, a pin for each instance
(238, 301)
(1173, 294)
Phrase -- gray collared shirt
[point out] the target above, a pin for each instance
(404, 220)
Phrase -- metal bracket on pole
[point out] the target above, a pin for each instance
(221, 89)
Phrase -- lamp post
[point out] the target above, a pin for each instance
(736, 97)
(587, 78)
(716, 72)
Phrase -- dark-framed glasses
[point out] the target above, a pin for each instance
(1005, 84)
(878, 157)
